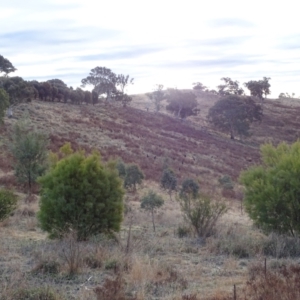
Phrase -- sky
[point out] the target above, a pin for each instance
(175, 43)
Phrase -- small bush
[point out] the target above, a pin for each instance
(8, 202)
(133, 176)
(47, 267)
(201, 213)
(226, 182)
(111, 264)
(183, 231)
(121, 167)
(151, 202)
(237, 241)
(282, 246)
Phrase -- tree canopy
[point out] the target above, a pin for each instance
(151, 202)
(107, 82)
(29, 148)
(157, 96)
(82, 194)
(18, 89)
(182, 104)
(234, 114)
(6, 66)
(168, 181)
(259, 88)
(198, 86)
(230, 87)
(272, 189)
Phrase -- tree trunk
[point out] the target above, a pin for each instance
(152, 212)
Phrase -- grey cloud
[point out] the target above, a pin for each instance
(289, 43)
(125, 53)
(215, 62)
(230, 22)
(52, 37)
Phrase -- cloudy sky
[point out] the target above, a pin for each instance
(174, 43)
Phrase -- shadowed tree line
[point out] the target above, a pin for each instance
(104, 82)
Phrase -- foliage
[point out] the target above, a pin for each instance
(226, 182)
(121, 97)
(29, 148)
(286, 96)
(189, 190)
(121, 167)
(6, 66)
(199, 86)
(151, 202)
(201, 213)
(259, 88)
(182, 104)
(103, 80)
(18, 89)
(8, 202)
(234, 114)
(272, 189)
(106, 82)
(4, 103)
(134, 176)
(82, 194)
(123, 81)
(230, 87)
(157, 96)
(168, 181)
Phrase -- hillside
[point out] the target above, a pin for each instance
(192, 148)
(161, 265)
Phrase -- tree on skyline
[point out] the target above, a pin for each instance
(103, 80)
(259, 88)
(229, 87)
(6, 66)
(157, 96)
(182, 104)
(234, 114)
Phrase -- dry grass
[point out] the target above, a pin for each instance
(147, 265)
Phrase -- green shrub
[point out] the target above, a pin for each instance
(111, 264)
(81, 194)
(121, 167)
(8, 202)
(168, 181)
(134, 176)
(226, 182)
(272, 189)
(201, 213)
(151, 202)
(183, 231)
